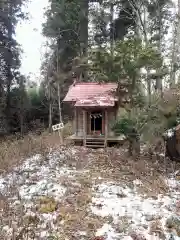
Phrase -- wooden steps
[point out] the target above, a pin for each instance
(95, 143)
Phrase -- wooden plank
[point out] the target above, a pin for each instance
(88, 122)
(80, 121)
(74, 122)
(106, 128)
(88, 137)
(84, 128)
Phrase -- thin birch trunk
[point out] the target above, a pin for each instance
(175, 50)
(174, 59)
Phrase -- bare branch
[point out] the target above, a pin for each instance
(138, 14)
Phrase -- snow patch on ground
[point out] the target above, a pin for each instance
(121, 201)
(107, 231)
(43, 187)
(37, 177)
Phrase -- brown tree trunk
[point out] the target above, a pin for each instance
(84, 33)
(59, 97)
(159, 78)
(50, 109)
(112, 28)
(9, 64)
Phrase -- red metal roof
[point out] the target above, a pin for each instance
(92, 94)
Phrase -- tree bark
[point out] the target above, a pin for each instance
(9, 64)
(175, 50)
(159, 79)
(84, 33)
(59, 96)
(59, 88)
(112, 28)
(173, 60)
(22, 106)
(149, 87)
(50, 109)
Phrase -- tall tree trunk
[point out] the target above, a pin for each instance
(59, 86)
(59, 95)
(146, 43)
(84, 33)
(173, 59)
(112, 28)
(9, 63)
(175, 50)
(22, 107)
(178, 29)
(50, 109)
(159, 79)
(149, 87)
(22, 123)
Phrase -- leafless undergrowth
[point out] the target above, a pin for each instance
(13, 150)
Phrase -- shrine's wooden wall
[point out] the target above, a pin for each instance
(78, 124)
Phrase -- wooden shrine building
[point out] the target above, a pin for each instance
(95, 110)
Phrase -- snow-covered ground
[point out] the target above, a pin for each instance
(36, 178)
(122, 202)
(39, 190)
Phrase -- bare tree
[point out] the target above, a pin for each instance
(49, 91)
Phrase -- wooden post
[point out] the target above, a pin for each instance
(84, 128)
(75, 121)
(106, 128)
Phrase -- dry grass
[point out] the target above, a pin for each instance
(124, 169)
(76, 214)
(68, 129)
(13, 150)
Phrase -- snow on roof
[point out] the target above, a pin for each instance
(92, 94)
(97, 101)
